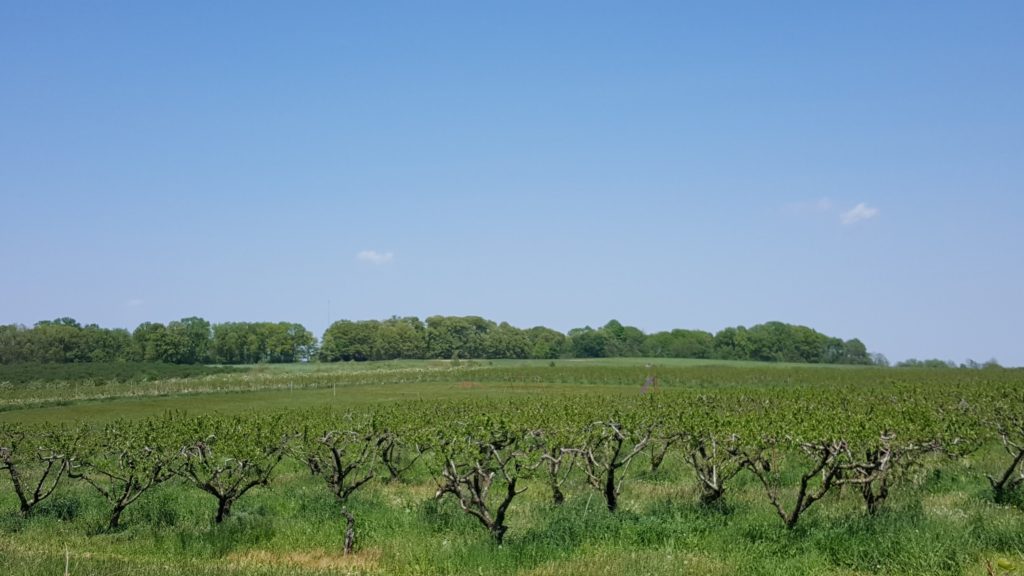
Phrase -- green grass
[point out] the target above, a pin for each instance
(68, 399)
(940, 519)
(931, 526)
(333, 367)
(355, 396)
(17, 374)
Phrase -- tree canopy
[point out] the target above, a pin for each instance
(194, 340)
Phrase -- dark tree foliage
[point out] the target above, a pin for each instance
(97, 372)
(931, 363)
(62, 341)
(588, 343)
(546, 343)
(260, 342)
(187, 341)
(347, 340)
(194, 340)
(679, 344)
(780, 342)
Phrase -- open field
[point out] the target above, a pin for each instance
(371, 381)
(77, 398)
(940, 518)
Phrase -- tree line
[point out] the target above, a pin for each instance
(194, 340)
(187, 341)
(475, 337)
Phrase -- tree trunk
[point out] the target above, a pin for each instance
(1007, 484)
(792, 520)
(350, 531)
(656, 460)
(658, 456)
(498, 531)
(610, 497)
(873, 500)
(25, 507)
(709, 496)
(223, 509)
(557, 497)
(115, 517)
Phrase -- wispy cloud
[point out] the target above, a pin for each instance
(134, 303)
(819, 206)
(858, 213)
(374, 257)
(822, 205)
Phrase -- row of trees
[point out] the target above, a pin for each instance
(186, 341)
(800, 443)
(439, 337)
(476, 337)
(195, 340)
(936, 363)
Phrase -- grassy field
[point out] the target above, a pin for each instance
(75, 398)
(940, 518)
(305, 385)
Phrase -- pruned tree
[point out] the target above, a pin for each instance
(394, 448)
(659, 446)
(476, 458)
(344, 455)
(227, 457)
(1009, 481)
(608, 447)
(36, 461)
(711, 442)
(884, 461)
(554, 458)
(345, 459)
(826, 464)
(396, 456)
(715, 461)
(124, 460)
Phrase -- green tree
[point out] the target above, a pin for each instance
(733, 344)
(191, 340)
(148, 342)
(588, 343)
(57, 340)
(855, 352)
(679, 344)
(347, 340)
(622, 341)
(506, 341)
(14, 344)
(457, 336)
(400, 338)
(546, 343)
(106, 345)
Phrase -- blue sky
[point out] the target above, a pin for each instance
(856, 168)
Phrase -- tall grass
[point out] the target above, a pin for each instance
(934, 524)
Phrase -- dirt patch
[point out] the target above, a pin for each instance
(467, 384)
(361, 562)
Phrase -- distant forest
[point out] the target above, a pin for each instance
(197, 341)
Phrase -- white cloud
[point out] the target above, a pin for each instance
(859, 212)
(374, 257)
(134, 303)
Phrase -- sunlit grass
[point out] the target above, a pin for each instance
(939, 520)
